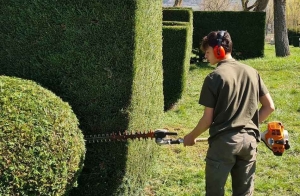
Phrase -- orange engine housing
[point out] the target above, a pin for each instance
(274, 137)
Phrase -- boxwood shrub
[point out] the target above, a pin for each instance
(41, 147)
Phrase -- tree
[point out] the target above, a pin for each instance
(261, 6)
(216, 5)
(177, 3)
(270, 18)
(280, 31)
(258, 6)
(293, 15)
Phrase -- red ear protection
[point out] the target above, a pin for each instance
(219, 51)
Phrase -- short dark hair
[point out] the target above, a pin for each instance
(211, 40)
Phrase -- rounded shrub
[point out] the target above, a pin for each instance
(41, 147)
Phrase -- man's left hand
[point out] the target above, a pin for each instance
(189, 140)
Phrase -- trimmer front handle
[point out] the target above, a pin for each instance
(160, 139)
(160, 135)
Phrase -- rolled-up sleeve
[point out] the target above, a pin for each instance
(263, 90)
(208, 97)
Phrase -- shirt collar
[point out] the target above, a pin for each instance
(226, 61)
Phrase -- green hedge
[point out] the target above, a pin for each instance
(41, 147)
(295, 41)
(180, 14)
(105, 59)
(292, 33)
(177, 39)
(247, 30)
(177, 45)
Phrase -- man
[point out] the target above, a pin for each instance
(231, 95)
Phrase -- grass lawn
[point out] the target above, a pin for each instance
(180, 170)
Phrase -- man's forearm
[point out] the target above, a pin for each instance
(264, 112)
(201, 127)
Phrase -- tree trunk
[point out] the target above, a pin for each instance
(280, 31)
(258, 5)
(261, 6)
(245, 5)
(177, 3)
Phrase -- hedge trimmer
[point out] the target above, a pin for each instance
(275, 137)
(159, 136)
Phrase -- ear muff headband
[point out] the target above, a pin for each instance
(219, 51)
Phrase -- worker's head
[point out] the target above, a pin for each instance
(216, 45)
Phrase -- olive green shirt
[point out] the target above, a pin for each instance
(233, 90)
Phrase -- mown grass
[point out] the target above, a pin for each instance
(180, 170)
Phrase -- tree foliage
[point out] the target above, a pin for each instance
(218, 5)
(293, 15)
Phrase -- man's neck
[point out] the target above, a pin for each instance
(228, 56)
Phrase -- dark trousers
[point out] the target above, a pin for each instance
(235, 154)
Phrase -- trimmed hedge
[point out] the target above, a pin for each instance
(41, 147)
(177, 47)
(296, 41)
(292, 33)
(179, 14)
(177, 39)
(105, 59)
(247, 30)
